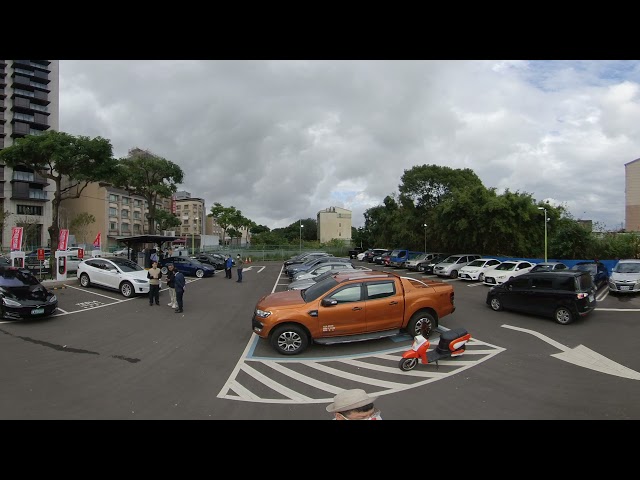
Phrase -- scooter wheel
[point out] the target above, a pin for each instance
(407, 364)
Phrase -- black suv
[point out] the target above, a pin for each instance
(563, 295)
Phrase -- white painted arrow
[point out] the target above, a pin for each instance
(584, 357)
(249, 268)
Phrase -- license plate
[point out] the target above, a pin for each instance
(591, 298)
(625, 288)
(490, 280)
(37, 311)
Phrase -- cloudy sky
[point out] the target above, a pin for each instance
(281, 140)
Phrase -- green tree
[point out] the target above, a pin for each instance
(149, 176)
(166, 220)
(79, 225)
(224, 217)
(71, 162)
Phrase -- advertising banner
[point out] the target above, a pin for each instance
(16, 238)
(63, 238)
(96, 242)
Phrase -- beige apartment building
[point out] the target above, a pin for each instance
(117, 214)
(632, 196)
(191, 212)
(334, 223)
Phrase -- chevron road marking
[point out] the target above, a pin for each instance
(583, 357)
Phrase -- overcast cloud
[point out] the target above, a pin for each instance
(281, 140)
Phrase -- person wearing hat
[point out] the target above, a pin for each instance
(239, 264)
(354, 404)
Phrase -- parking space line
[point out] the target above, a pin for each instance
(94, 293)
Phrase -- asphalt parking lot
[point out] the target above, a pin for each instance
(106, 357)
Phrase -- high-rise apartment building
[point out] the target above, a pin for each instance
(29, 105)
(632, 196)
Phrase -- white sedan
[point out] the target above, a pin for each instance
(477, 269)
(114, 273)
(506, 271)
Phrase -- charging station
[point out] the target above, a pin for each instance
(61, 263)
(17, 258)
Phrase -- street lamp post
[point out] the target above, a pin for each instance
(425, 237)
(301, 235)
(545, 232)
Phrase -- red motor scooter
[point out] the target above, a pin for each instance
(452, 344)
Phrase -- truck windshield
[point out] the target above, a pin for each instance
(318, 289)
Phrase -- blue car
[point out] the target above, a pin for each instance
(188, 266)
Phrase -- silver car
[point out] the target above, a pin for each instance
(625, 276)
(449, 266)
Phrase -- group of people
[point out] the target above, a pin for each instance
(175, 282)
(228, 265)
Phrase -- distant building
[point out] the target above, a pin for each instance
(632, 196)
(334, 223)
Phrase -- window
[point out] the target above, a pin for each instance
(137, 203)
(125, 200)
(113, 226)
(520, 282)
(380, 290)
(542, 283)
(29, 210)
(124, 213)
(113, 212)
(137, 215)
(136, 229)
(125, 227)
(113, 198)
(351, 293)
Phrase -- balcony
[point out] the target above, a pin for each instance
(28, 177)
(29, 194)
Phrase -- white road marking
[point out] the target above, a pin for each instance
(583, 357)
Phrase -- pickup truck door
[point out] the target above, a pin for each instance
(384, 305)
(346, 314)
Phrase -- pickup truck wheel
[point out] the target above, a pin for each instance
(421, 323)
(289, 340)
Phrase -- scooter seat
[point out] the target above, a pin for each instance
(450, 335)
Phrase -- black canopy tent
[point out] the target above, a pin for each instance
(136, 242)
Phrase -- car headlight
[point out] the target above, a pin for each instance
(262, 313)
(53, 299)
(10, 303)
(140, 280)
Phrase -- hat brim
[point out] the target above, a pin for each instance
(333, 408)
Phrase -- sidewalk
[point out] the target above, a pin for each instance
(57, 284)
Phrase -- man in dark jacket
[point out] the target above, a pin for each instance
(180, 285)
(239, 265)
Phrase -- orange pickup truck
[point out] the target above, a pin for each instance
(351, 307)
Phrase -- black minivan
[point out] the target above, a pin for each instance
(562, 295)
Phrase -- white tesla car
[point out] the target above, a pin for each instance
(114, 273)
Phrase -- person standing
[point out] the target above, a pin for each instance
(154, 274)
(180, 285)
(354, 404)
(239, 265)
(228, 264)
(171, 275)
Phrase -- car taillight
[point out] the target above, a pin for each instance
(582, 295)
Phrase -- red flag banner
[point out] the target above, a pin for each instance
(96, 242)
(16, 238)
(63, 239)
